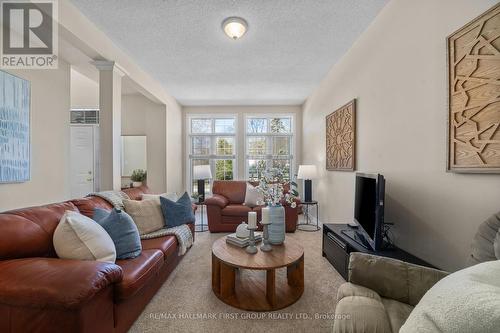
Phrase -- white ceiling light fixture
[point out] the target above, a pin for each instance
(234, 27)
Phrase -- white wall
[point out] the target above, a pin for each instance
(50, 104)
(140, 116)
(240, 112)
(84, 92)
(397, 72)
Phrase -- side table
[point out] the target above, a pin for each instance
(201, 227)
(308, 225)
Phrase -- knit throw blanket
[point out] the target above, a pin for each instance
(182, 233)
(115, 198)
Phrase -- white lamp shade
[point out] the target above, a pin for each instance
(202, 172)
(307, 172)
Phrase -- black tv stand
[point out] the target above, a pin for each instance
(338, 245)
(356, 236)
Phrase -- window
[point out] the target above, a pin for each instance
(269, 143)
(212, 141)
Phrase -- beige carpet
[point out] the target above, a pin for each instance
(186, 303)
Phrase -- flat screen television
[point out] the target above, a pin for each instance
(369, 208)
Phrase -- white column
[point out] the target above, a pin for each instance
(110, 96)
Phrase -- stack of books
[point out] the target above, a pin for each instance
(242, 242)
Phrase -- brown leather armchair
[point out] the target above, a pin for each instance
(225, 208)
(41, 293)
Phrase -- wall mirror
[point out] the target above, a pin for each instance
(134, 154)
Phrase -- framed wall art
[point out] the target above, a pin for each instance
(14, 129)
(341, 138)
(474, 95)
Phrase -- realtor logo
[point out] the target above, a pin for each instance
(29, 34)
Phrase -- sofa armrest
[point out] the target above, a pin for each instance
(217, 200)
(53, 282)
(391, 278)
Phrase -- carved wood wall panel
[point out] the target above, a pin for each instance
(341, 138)
(474, 95)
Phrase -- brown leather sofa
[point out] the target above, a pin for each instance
(225, 208)
(42, 293)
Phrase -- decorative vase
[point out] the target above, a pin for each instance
(136, 184)
(277, 226)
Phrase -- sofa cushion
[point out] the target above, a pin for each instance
(54, 283)
(122, 230)
(397, 312)
(167, 245)
(147, 215)
(360, 314)
(138, 272)
(87, 205)
(233, 190)
(464, 301)
(236, 210)
(135, 193)
(178, 212)
(80, 237)
(170, 196)
(350, 289)
(28, 232)
(253, 197)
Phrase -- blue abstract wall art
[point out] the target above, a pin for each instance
(14, 129)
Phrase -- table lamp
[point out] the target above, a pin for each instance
(307, 172)
(201, 173)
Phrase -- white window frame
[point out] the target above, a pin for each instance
(212, 157)
(269, 157)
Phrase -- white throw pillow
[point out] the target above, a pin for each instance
(147, 214)
(496, 245)
(253, 197)
(465, 301)
(80, 237)
(170, 196)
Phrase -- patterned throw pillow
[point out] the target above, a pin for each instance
(177, 213)
(146, 214)
(79, 237)
(122, 230)
(253, 197)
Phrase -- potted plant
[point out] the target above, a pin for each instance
(272, 186)
(138, 177)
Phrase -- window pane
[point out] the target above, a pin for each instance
(224, 169)
(283, 165)
(256, 146)
(281, 146)
(200, 145)
(201, 125)
(281, 125)
(224, 125)
(195, 182)
(225, 146)
(256, 125)
(255, 168)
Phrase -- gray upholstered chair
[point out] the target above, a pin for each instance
(382, 292)
(482, 248)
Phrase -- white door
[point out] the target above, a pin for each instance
(82, 160)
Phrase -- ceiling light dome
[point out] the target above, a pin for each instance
(234, 27)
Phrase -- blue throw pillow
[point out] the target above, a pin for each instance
(177, 213)
(122, 230)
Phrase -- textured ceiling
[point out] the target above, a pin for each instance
(288, 49)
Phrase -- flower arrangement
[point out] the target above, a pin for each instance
(271, 186)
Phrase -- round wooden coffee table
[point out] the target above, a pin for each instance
(251, 282)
